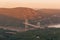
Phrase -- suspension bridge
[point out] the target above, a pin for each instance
(27, 24)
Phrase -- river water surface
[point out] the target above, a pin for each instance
(56, 26)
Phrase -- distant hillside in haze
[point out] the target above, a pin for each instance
(49, 16)
(48, 12)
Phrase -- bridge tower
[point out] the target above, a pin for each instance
(26, 26)
(26, 22)
(38, 24)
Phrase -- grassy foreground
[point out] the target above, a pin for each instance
(38, 34)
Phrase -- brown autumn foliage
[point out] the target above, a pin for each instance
(19, 12)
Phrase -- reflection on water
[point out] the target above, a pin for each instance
(57, 26)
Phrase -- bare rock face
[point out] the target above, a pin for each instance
(19, 12)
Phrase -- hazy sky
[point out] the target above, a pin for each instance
(31, 3)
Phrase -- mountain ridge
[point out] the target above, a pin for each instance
(19, 12)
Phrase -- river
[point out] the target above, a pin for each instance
(56, 26)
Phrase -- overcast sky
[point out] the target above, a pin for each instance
(30, 3)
